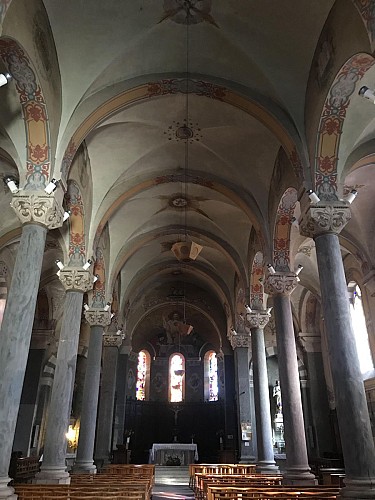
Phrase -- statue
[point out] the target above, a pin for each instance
(175, 328)
(277, 395)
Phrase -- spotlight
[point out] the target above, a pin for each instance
(351, 196)
(271, 269)
(66, 215)
(314, 198)
(367, 93)
(51, 186)
(248, 308)
(294, 222)
(299, 269)
(5, 78)
(119, 331)
(233, 330)
(95, 278)
(58, 273)
(112, 315)
(11, 183)
(107, 306)
(87, 264)
(269, 309)
(59, 264)
(86, 307)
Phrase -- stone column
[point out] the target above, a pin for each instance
(84, 464)
(281, 285)
(38, 212)
(240, 344)
(76, 281)
(119, 423)
(111, 344)
(323, 222)
(257, 320)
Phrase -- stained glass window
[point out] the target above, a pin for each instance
(176, 378)
(212, 377)
(142, 374)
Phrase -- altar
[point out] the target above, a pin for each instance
(173, 454)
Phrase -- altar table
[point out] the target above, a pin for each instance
(160, 453)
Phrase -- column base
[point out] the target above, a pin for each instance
(52, 475)
(5, 490)
(358, 489)
(267, 467)
(84, 467)
(299, 476)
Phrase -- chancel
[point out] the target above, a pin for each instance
(187, 259)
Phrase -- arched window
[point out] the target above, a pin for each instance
(176, 378)
(143, 376)
(360, 330)
(211, 386)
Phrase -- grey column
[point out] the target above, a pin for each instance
(38, 212)
(281, 285)
(84, 463)
(111, 343)
(324, 222)
(240, 344)
(266, 460)
(119, 425)
(53, 470)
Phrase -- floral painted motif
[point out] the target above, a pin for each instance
(281, 242)
(77, 248)
(367, 10)
(256, 285)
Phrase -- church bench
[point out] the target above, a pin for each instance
(203, 481)
(26, 469)
(219, 469)
(81, 490)
(269, 492)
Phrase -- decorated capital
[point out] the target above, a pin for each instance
(98, 317)
(324, 218)
(38, 207)
(239, 340)
(258, 319)
(280, 283)
(76, 279)
(112, 340)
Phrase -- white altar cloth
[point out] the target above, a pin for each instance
(173, 447)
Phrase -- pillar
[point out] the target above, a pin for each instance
(111, 344)
(38, 212)
(324, 222)
(84, 464)
(76, 282)
(257, 320)
(119, 423)
(240, 344)
(280, 286)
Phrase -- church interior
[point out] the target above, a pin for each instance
(187, 272)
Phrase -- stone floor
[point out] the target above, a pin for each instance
(171, 482)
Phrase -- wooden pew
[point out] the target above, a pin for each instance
(268, 492)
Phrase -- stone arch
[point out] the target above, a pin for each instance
(34, 109)
(4, 5)
(256, 282)
(366, 9)
(281, 239)
(332, 121)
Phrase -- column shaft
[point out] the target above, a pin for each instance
(297, 469)
(85, 452)
(266, 461)
(15, 338)
(53, 468)
(354, 422)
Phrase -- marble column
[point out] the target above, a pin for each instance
(257, 320)
(76, 282)
(323, 222)
(84, 464)
(38, 212)
(280, 286)
(240, 344)
(119, 422)
(111, 344)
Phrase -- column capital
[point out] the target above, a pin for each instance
(112, 340)
(38, 207)
(239, 340)
(76, 279)
(98, 317)
(258, 318)
(280, 283)
(325, 217)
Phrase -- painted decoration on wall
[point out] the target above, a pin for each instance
(98, 294)
(366, 9)
(188, 11)
(38, 161)
(281, 241)
(332, 122)
(77, 248)
(256, 284)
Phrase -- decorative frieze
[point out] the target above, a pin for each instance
(281, 283)
(76, 279)
(325, 218)
(38, 207)
(112, 340)
(258, 319)
(239, 340)
(98, 317)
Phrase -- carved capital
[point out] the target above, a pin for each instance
(281, 283)
(324, 218)
(38, 207)
(258, 319)
(98, 317)
(238, 340)
(76, 279)
(111, 340)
